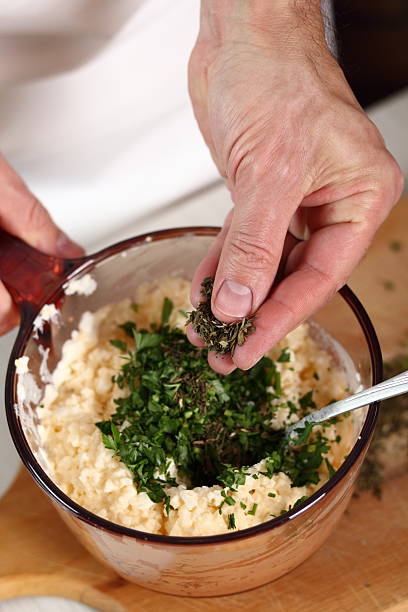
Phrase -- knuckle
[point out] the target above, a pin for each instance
(247, 169)
(384, 191)
(251, 252)
(397, 178)
(328, 283)
(392, 182)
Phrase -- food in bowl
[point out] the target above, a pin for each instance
(139, 430)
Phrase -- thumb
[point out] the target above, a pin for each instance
(22, 215)
(252, 250)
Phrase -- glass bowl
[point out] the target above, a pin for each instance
(190, 566)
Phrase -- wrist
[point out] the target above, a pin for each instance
(288, 23)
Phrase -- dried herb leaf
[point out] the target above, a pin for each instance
(395, 245)
(221, 338)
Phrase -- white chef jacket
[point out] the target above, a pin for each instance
(94, 108)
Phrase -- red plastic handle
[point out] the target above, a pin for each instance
(28, 274)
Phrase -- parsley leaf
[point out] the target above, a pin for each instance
(166, 311)
(284, 357)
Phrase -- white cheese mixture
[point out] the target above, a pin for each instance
(82, 392)
(48, 313)
(86, 285)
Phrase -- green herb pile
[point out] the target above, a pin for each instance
(212, 426)
(222, 338)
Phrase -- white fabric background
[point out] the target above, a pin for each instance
(115, 136)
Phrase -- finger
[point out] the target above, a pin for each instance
(208, 265)
(319, 268)
(194, 337)
(252, 250)
(223, 364)
(22, 215)
(9, 316)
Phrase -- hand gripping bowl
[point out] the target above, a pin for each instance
(191, 566)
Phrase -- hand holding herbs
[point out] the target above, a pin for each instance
(221, 338)
(181, 421)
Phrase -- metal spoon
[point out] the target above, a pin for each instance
(389, 388)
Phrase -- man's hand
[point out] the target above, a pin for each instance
(297, 152)
(22, 215)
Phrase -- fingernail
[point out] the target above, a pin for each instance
(67, 247)
(234, 299)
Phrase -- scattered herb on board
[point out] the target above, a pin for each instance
(179, 416)
(395, 245)
(392, 421)
(222, 338)
(389, 285)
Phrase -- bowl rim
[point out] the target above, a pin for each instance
(61, 499)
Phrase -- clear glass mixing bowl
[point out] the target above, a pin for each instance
(192, 566)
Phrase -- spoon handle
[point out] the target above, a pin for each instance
(388, 388)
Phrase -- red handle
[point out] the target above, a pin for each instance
(28, 274)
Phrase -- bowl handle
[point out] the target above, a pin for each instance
(30, 275)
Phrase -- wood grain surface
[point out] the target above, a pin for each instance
(362, 567)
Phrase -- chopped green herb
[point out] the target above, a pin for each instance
(253, 510)
(276, 383)
(299, 501)
(119, 344)
(272, 464)
(330, 468)
(129, 328)
(230, 501)
(284, 357)
(166, 311)
(176, 411)
(271, 494)
(306, 401)
(243, 506)
(232, 477)
(231, 521)
(303, 433)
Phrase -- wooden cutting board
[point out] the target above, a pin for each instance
(362, 567)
